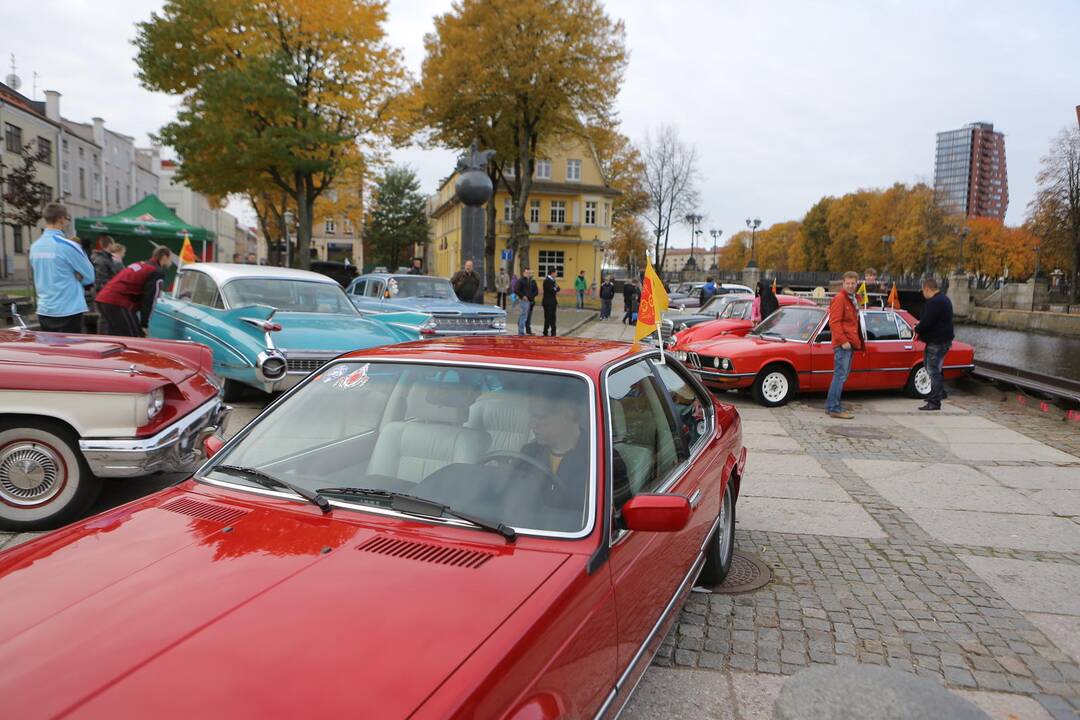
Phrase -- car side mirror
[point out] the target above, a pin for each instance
(656, 512)
(211, 445)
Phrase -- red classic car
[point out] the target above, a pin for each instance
(791, 351)
(733, 320)
(462, 528)
(78, 408)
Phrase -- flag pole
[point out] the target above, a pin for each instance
(660, 338)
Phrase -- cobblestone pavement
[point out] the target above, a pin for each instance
(946, 546)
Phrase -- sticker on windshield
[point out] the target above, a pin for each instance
(357, 378)
(334, 373)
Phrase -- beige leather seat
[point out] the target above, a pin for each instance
(505, 417)
(637, 458)
(432, 436)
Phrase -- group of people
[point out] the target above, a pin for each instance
(239, 259)
(935, 329)
(469, 287)
(63, 274)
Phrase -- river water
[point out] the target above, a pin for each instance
(1046, 354)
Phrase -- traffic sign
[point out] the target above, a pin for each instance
(507, 255)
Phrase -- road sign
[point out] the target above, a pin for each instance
(507, 255)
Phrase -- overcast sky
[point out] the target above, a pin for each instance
(786, 100)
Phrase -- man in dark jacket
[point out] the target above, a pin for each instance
(630, 297)
(526, 289)
(935, 329)
(417, 267)
(105, 265)
(550, 302)
(607, 294)
(134, 289)
(466, 283)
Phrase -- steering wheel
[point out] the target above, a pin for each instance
(510, 455)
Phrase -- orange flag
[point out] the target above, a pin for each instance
(187, 253)
(654, 302)
(894, 298)
(774, 286)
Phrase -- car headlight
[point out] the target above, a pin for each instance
(680, 355)
(155, 403)
(725, 364)
(498, 324)
(682, 326)
(273, 367)
(716, 362)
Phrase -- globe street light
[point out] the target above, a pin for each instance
(692, 219)
(753, 224)
(715, 241)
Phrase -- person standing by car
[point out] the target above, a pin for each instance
(550, 302)
(61, 270)
(106, 266)
(580, 286)
(767, 302)
(607, 294)
(707, 291)
(526, 290)
(630, 297)
(417, 267)
(466, 283)
(502, 288)
(935, 329)
(846, 339)
(135, 289)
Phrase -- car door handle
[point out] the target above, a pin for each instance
(695, 498)
(908, 347)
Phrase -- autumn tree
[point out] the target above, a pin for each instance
(629, 243)
(532, 72)
(398, 219)
(1055, 210)
(670, 180)
(813, 244)
(735, 253)
(280, 94)
(774, 245)
(24, 197)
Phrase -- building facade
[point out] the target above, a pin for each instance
(970, 173)
(23, 122)
(568, 215)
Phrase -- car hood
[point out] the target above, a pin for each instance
(187, 605)
(316, 332)
(715, 327)
(84, 356)
(442, 307)
(734, 345)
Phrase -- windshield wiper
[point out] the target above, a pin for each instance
(269, 481)
(413, 505)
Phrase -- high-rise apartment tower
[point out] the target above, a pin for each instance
(969, 171)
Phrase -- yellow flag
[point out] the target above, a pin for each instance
(861, 296)
(654, 303)
(187, 253)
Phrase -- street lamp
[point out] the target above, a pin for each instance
(596, 245)
(288, 217)
(693, 219)
(753, 224)
(963, 235)
(1035, 278)
(715, 241)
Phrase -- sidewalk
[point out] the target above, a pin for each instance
(567, 319)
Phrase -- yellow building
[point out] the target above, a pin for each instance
(568, 214)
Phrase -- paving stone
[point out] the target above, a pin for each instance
(1039, 587)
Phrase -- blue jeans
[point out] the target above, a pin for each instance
(605, 309)
(841, 370)
(524, 308)
(580, 299)
(934, 359)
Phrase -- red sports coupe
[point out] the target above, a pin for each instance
(791, 351)
(462, 528)
(733, 320)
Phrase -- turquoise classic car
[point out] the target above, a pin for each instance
(400, 292)
(269, 328)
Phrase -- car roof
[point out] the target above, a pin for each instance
(384, 275)
(565, 353)
(223, 272)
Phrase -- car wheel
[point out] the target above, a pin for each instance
(234, 391)
(721, 545)
(918, 383)
(44, 479)
(774, 386)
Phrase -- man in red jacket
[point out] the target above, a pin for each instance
(846, 339)
(133, 290)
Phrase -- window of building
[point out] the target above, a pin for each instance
(534, 211)
(330, 226)
(64, 144)
(82, 183)
(508, 211)
(590, 212)
(117, 193)
(348, 227)
(558, 211)
(97, 187)
(543, 169)
(17, 236)
(82, 153)
(13, 138)
(573, 171)
(607, 213)
(47, 193)
(553, 261)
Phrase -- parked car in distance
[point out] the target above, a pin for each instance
(675, 319)
(734, 319)
(401, 507)
(791, 351)
(270, 327)
(75, 409)
(341, 272)
(376, 293)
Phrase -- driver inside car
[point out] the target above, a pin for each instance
(560, 444)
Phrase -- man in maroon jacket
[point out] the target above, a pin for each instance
(133, 290)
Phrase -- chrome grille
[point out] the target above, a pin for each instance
(306, 365)
(458, 323)
(693, 360)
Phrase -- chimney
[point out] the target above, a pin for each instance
(52, 105)
(99, 132)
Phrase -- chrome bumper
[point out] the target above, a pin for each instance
(175, 449)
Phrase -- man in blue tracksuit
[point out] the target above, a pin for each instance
(61, 269)
(935, 329)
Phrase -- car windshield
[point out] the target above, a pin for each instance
(288, 295)
(424, 287)
(508, 446)
(737, 310)
(791, 323)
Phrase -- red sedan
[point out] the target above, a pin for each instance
(734, 320)
(791, 351)
(462, 528)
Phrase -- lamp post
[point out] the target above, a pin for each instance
(963, 235)
(1035, 277)
(288, 218)
(753, 224)
(887, 241)
(715, 241)
(693, 219)
(596, 245)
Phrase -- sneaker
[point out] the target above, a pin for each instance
(841, 415)
(930, 407)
